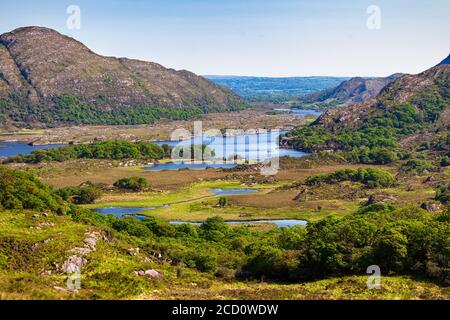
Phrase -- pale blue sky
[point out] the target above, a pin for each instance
(253, 37)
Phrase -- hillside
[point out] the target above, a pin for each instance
(48, 78)
(53, 248)
(354, 90)
(412, 111)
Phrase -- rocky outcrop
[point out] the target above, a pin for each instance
(150, 273)
(379, 198)
(78, 260)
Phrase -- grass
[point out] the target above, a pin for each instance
(108, 272)
(196, 203)
(23, 132)
(351, 287)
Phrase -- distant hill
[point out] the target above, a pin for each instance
(48, 78)
(445, 61)
(354, 90)
(410, 113)
(275, 89)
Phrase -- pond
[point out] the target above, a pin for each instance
(219, 192)
(280, 223)
(121, 212)
(10, 149)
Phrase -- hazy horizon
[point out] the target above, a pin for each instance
(264, 38)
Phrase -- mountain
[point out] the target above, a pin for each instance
(411, 113)
(354, 90)
(275, 89)
(445, 61)
(46, 77)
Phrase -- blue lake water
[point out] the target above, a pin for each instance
(246, 146)
(134, 212)
(280, 223)
(10, 149)
(218, 192)
(121, 212)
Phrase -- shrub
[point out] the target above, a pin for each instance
(418, 166)
(214, 229)
(22, 190)
(443, 193)
(223, 202)
(131, 226)
(371, 178)
(133, 183)
(80, 195)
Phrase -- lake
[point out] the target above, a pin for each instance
(10, 149)
(248, 146)
(280, 223)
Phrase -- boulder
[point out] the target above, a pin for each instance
(150, 273)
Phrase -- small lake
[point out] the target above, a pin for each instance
(280, 223)
(219, 192)
(121, 212)
(10, 149)
(300, 112)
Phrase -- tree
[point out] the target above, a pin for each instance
(223, 202)
(391, 250)
(80, 195)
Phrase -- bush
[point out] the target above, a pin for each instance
(22, 190)
(80, 195)
(265, 261)
(131, 226)
(223, 202)
(443, 193)
(371, 178)
(418, 166)
(133, 183)
(214, 229)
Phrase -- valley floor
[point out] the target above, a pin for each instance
(33, 241)
(250, 119)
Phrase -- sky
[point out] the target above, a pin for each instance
(254, 37)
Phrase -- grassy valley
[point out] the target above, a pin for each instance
(107, 212)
